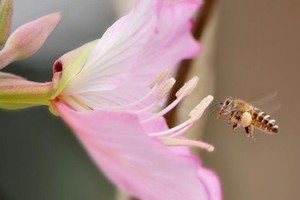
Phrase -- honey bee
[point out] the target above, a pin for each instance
(242, 113)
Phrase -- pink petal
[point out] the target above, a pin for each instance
(140, 165)
(154, 36)
(208, 177)
(211, 182)
(159, 124)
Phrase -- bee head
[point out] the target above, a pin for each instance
(226, 107)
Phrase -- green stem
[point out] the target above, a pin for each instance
(14, 91)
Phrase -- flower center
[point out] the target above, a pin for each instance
(148, 105)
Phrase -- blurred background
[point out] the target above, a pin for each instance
(250, 49)
(256, 52)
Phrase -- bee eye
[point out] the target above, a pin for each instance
(227, 102)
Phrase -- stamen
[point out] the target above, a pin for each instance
(186, 142)
(194, 115)
(76, 104)
(182, 131)
(142, 99)
(197, 112)
(185, 90)
(159, 79)
(161, 94)
(171, 131)
(164, 111)
(188, 87)
(166, 88)
(147, 108)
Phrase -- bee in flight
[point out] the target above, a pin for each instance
(242, 113)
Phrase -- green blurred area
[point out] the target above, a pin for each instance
(42, 160)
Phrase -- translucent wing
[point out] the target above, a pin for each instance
(266, 102)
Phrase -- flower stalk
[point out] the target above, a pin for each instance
(18, 91)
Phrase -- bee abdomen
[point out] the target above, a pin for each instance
(275, 129)
(264, 121)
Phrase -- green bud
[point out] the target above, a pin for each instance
(6, 12)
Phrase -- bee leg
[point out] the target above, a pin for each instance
(234, 122)
(235, 126)
(249, 131)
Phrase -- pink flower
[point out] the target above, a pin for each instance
(109, 91)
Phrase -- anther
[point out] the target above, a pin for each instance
(197, 112)
(166, 88)
(188, 87)
(159, 79)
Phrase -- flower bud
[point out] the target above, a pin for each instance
(29, 38)
(6, 12)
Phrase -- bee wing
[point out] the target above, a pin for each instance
(266, 102)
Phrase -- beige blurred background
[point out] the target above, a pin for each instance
(255, 51)
(250, 49)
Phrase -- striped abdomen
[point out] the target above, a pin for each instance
(264, 122)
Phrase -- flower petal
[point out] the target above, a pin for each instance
(140, 165)
(211, 182)
(154, 36)
(207, 176)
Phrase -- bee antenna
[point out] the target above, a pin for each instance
(213, 111)
(216, 104)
